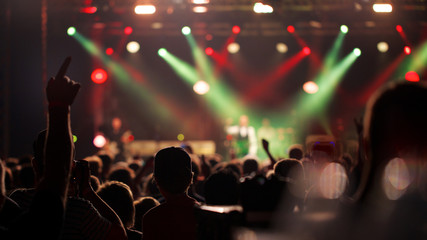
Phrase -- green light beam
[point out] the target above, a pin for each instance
(221, 98)
(122, 76)
(417, 61)
(183, 69)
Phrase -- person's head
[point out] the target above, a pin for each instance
(142, 206)
(265, 122)
(172, 170)
(119, 197)
(396, 121)
(289, 169)
(395, 127)
(296, 151)
(244, 121)
(222, 188)
(250, 166)
(106, 165)
(116, 123)
(122, 174)
(94, 182)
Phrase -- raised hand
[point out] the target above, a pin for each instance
(60, 90)
(265, 144)
(82, 174)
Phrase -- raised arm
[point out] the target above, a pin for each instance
(265, 145)
(82, 173)
(59, 149)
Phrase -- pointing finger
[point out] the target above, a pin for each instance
(63, 69)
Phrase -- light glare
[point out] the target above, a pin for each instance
(186, 30)
(357, 52)
(310, 87)
(200, 1)
(383, 7)
(233, 48)
(99, 141)
(133, 47)
(281, 47)
(71, 31)
(382, 47)
(412, 76)
(145, 9)
(162, 52)
(262, 8)
(200, 9)
(201, 87)
(344, 29)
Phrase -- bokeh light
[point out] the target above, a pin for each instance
(382, 47)
(281, 47)
(310, 87)
(71, 31)
(412, 76)
(133, 47)
(99, 141)
(233, 48)
(201, 87)
(99, 76)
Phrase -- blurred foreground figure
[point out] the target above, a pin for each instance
(394, 186)
(175, 218)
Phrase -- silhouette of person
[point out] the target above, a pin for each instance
(173, 219)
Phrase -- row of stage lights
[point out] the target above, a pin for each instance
(234, 47)
(201, 6)
(201, 87)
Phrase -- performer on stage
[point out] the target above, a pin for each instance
(117, 137)
(243, 137)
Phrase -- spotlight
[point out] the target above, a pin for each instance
(209, 51)
(88, 10)
(128, 30)
(201, 87)
(382, 8)
(310, 87)
(399, 28)
(306, 50)
(344, 29)
(99, 76)
(71, 31)
(162, 52)
(109, 51)
(262, 8)
(186, 30)
(233, 48)
(99, 141)
(180, 137)
(236, 29)
(291, 29)
(382, 47)
(145, 9)
(407, 50)
(200, 1)
(133, 47)
(208, 37)
(357, 52)
(281, 47)
(412, 76)
(200, 9)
